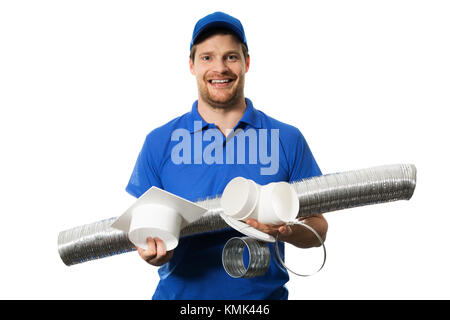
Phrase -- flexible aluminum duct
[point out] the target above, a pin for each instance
(92, 241)
(258, 256)
(357, 188)
(233, 257)
(98, 240)
(316, 195)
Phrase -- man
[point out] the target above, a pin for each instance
(219, 61)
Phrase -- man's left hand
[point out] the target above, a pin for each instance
(297, 235)
(273, 230)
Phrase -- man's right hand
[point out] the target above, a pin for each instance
(156, 253)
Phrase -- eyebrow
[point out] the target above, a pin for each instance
(211, 52)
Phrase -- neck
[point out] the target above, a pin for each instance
(225, 118)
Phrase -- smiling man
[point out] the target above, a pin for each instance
(195, 155)
(220, 64)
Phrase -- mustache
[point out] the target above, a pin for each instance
(221, 75)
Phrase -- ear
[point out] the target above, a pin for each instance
(191, 66)
(247, 64)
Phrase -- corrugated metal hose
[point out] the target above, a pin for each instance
(316, 195)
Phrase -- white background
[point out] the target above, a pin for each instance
(83, 82)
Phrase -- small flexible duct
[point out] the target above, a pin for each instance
(258, 256)
(233, 257)
(316, 195)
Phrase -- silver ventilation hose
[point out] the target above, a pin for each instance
(317, 195)
(98, 240)
(355, 188)
(233, 257)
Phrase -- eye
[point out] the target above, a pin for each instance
(232, 57)
(206, 58)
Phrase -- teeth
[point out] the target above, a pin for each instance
(220, 81)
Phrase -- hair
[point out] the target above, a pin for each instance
(211, 32)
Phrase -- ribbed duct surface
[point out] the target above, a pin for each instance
(316, 195)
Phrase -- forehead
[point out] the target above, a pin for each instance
(219, 43)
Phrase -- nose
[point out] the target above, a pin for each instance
(220, 66)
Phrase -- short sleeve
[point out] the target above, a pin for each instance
(303, 163)
(146, 171)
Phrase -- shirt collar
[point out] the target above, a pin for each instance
(250, 117)
(195, 116)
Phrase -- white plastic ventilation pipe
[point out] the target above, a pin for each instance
(275, 203)
(165, 224)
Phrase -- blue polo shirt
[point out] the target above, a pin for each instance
(192, 159)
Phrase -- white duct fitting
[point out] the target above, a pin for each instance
(158, 213)
(151, 220)
(247, 229)
(275, 203)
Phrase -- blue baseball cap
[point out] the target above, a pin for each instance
(219, 20)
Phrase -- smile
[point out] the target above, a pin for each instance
(220, 83)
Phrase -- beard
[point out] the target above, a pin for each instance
(222, 98)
